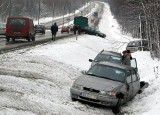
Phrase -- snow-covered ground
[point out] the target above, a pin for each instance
(37, 80)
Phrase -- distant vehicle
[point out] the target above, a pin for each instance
(81, 21)
(136, 45)
(107, 84)
(93, 31)
(110, 56)
(40, 29)
(2, 28)
(65, 29)
(95, 14)
(20, 28)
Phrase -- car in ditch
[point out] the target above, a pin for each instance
(108, 84)
(105, 55)
(136, 45)
(93, 31)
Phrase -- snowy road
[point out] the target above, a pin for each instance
(37, 80)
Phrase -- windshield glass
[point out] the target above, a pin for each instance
(17, 22)
(110, 58)
(107, 72)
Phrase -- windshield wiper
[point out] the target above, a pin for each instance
(92, 74)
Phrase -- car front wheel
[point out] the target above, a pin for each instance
(116, 109)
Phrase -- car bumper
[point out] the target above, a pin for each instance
(99, 99)
(132, 49)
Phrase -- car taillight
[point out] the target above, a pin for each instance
(4, 29)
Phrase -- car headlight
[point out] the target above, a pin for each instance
(76, 86)
(110, 93)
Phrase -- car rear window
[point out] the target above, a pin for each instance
(17, 22)
(110, 58)
(133, 44)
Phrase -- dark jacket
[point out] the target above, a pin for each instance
(54, 29)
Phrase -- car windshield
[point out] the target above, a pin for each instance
(110, 58)
(17, 22)
(107, 72)
(133, 44)
(38, 26)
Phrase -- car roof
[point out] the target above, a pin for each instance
(110, 53)
(121, 66)
(138, 40)
(19, 18)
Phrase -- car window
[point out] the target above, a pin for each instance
(17, 22)
(133, 44)
(129, 78)
(107, 72)
(110, 58)
(133, 63)
(134, 76)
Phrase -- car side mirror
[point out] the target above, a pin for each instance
(90, 60)
(83, 72)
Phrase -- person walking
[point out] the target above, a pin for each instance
(126, 58)
(54, 30)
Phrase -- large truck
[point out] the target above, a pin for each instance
(80, 22)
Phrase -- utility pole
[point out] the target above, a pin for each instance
(10, 9)
(63, 14)
(140, 29)
(69, 14)
(39, 12)
(53, 12)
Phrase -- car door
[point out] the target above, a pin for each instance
(135, 82)
(129, 85)
(134, 64)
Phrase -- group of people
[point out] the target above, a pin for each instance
(126, 57)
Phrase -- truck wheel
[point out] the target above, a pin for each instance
(33, 38)
(117, 108)
(7, 38)
(29, 38)
(13, 39)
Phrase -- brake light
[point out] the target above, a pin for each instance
(4, 29)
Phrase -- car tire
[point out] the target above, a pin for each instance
(116, 109)
(13, 39)
(33, 38)
(7, 38)
(29, 38)
(73, 99)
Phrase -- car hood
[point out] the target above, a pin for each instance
(97, 83)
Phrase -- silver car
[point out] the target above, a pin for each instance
(110, 56)
(136, 45)
(107, 84)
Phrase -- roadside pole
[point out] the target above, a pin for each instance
(77, 35)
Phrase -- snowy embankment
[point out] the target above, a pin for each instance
(37, 80)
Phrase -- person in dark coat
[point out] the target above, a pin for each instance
(126, 58)
(54, 30)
